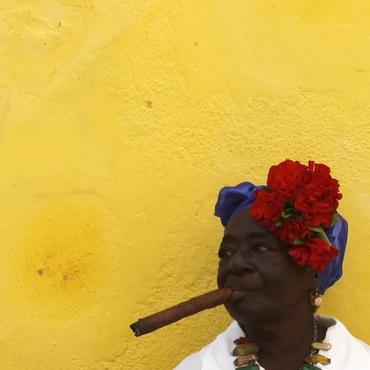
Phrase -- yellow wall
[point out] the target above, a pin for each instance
(120, 121)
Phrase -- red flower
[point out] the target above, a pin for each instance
(293, 228)
(288, 176)
(267, 208)
(315, 253)
(299, 197)
(318, 200)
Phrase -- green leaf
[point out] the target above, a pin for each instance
(321, 233)
(289, 212)
(335, 219)
(279, 222)
(299, 241)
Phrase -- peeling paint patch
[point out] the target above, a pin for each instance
(64, 244)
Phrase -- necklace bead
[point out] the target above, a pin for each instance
(318, 359)
(309, 367)
(247, 353)
(245, 349)
(249, 367)
(245, 359)
(321, 346)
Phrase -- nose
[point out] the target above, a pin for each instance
(240, 263)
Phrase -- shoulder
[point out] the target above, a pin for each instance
(337, 330)
(347, 351)
(192, 362)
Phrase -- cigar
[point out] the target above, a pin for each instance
(181, 310)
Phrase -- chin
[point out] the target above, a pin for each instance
(242, 306)
(249, 307)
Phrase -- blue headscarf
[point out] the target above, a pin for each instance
(233, 199)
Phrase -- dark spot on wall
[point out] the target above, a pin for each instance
(149, 104)
(40, 272)
(360, 70)
(65, 277)
(196, 43)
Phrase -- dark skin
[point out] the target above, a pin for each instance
(276, 309)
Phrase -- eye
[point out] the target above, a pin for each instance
(225, 252)
(262, 248)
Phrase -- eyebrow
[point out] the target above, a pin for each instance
(251, 235)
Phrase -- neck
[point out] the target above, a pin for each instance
(284, 341)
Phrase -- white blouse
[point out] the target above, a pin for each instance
(347, 352)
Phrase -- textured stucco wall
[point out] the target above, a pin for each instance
(120, 120)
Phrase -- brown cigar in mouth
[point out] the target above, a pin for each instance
(181, 310)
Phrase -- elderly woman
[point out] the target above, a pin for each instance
(283, 246)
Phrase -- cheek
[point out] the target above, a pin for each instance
(279, 275)
(221, 275)
(287, 284)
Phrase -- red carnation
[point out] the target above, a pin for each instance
(318, 200)
(315, 253)
(267, 208)
(288, 176)
(291, 229)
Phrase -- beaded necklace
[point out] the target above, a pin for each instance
(246, 353)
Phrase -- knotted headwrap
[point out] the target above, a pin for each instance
(287, 185)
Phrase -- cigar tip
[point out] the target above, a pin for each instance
(136, 329)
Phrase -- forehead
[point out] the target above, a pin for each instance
(243, 225)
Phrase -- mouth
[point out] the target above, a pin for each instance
(239, 293)
(244, 288)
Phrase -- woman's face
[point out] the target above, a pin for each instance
(254, 261)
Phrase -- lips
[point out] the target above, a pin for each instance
(237, 295)
(240, 285)
(237, 288)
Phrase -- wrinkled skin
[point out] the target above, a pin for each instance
(277, 300)
(252, 259)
